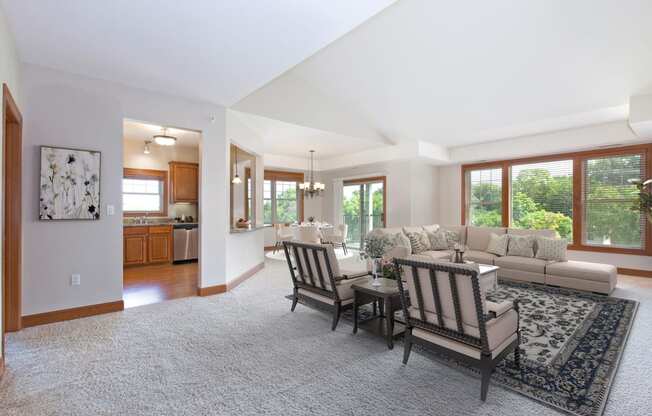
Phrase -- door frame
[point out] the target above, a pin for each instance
(370, 180)
(12, 127)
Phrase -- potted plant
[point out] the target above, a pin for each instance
(374, 249)
(644, 201)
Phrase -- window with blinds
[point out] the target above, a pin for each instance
(484, 197)
(541, 196)
(608, 198)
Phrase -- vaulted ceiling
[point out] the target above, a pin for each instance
(460, 72)
(211, 50)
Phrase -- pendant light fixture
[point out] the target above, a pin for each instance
(146, 150)
(236, 179)
(312, 188)
(165, 140)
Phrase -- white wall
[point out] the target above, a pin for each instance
(158, 159)
(68, 110)
(10, 75)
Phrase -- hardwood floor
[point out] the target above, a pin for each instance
(155, 283)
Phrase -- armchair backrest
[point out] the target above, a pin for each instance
(313, 267)
(445, 299)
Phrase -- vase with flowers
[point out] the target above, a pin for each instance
(644, 201)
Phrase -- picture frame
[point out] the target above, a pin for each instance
(70, 182)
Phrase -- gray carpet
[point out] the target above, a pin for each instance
(245, 353)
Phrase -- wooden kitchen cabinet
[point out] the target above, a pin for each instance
(135, 245)
(184, 182)
(147, 245)
(160, 244)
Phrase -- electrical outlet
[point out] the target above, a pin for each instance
(75, 279)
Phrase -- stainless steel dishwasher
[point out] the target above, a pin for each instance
(186, 242)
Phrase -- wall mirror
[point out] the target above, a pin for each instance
(243, 189)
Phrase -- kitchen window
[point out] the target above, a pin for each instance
(144, 192)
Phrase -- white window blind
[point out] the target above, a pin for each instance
(484, 198)
(608, 198)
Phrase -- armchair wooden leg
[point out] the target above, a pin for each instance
(294, 300)
(485, 371)
(407, 341)
(275, 248)
(346, 251)
(336, 315)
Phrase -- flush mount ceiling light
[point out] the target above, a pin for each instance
(146, 149)
(165, 140)
(312, 188)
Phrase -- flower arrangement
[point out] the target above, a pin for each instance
(644, 201)
(375, 246)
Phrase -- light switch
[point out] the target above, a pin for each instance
(110, 210)
(75, 279)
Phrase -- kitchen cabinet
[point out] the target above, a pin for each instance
(184, 182)
(135, 245)
(147, 245)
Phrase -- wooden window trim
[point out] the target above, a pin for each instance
(162, 175)
(578, 203)
(285, 176)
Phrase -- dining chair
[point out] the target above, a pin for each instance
(336, 236)
(283, 233)
(307, 234)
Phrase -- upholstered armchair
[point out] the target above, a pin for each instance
(283, 233)
(448, 313)
(307, 234)
(316, 275)
(336, 236)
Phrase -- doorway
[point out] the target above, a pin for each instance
(160, 206)
(364, 205)
(12, 127)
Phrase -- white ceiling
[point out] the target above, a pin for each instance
(211, 50)
(281, 138)
(461, 72)
(140, 132)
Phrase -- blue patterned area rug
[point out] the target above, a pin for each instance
(571, 341)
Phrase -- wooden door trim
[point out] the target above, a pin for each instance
(12, 124)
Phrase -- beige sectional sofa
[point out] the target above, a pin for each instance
(594, 277)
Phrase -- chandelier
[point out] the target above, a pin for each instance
(312, 188)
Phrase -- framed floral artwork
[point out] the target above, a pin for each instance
(70, 184)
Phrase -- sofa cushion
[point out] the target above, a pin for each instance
(477, 238)
(535, 233)
(481, 257)
(419, 242)
(498, 244)
(433, 228)
(439, 240)
(583, 270)
(438, 254)
(521, 245)
(415, 229)
(458, 230)
(551, 248)
(522, 263)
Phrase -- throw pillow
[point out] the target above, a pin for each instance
(438, 240)
(498, 244)
(551, 248)
(419, 242)
(521, 245)
(452, 237)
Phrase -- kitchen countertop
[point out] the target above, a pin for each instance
(154, 224)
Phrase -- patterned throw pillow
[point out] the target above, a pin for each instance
(498, 244)
(419, 242)
(438, 240)
(452, 237)
(521, 245)
(552, 248)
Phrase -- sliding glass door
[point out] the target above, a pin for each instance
(363, 208)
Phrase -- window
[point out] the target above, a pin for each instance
(587, 197)
(608, 197)
(542, 196)
(144, 192)
(282, 202)
(485, 197)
